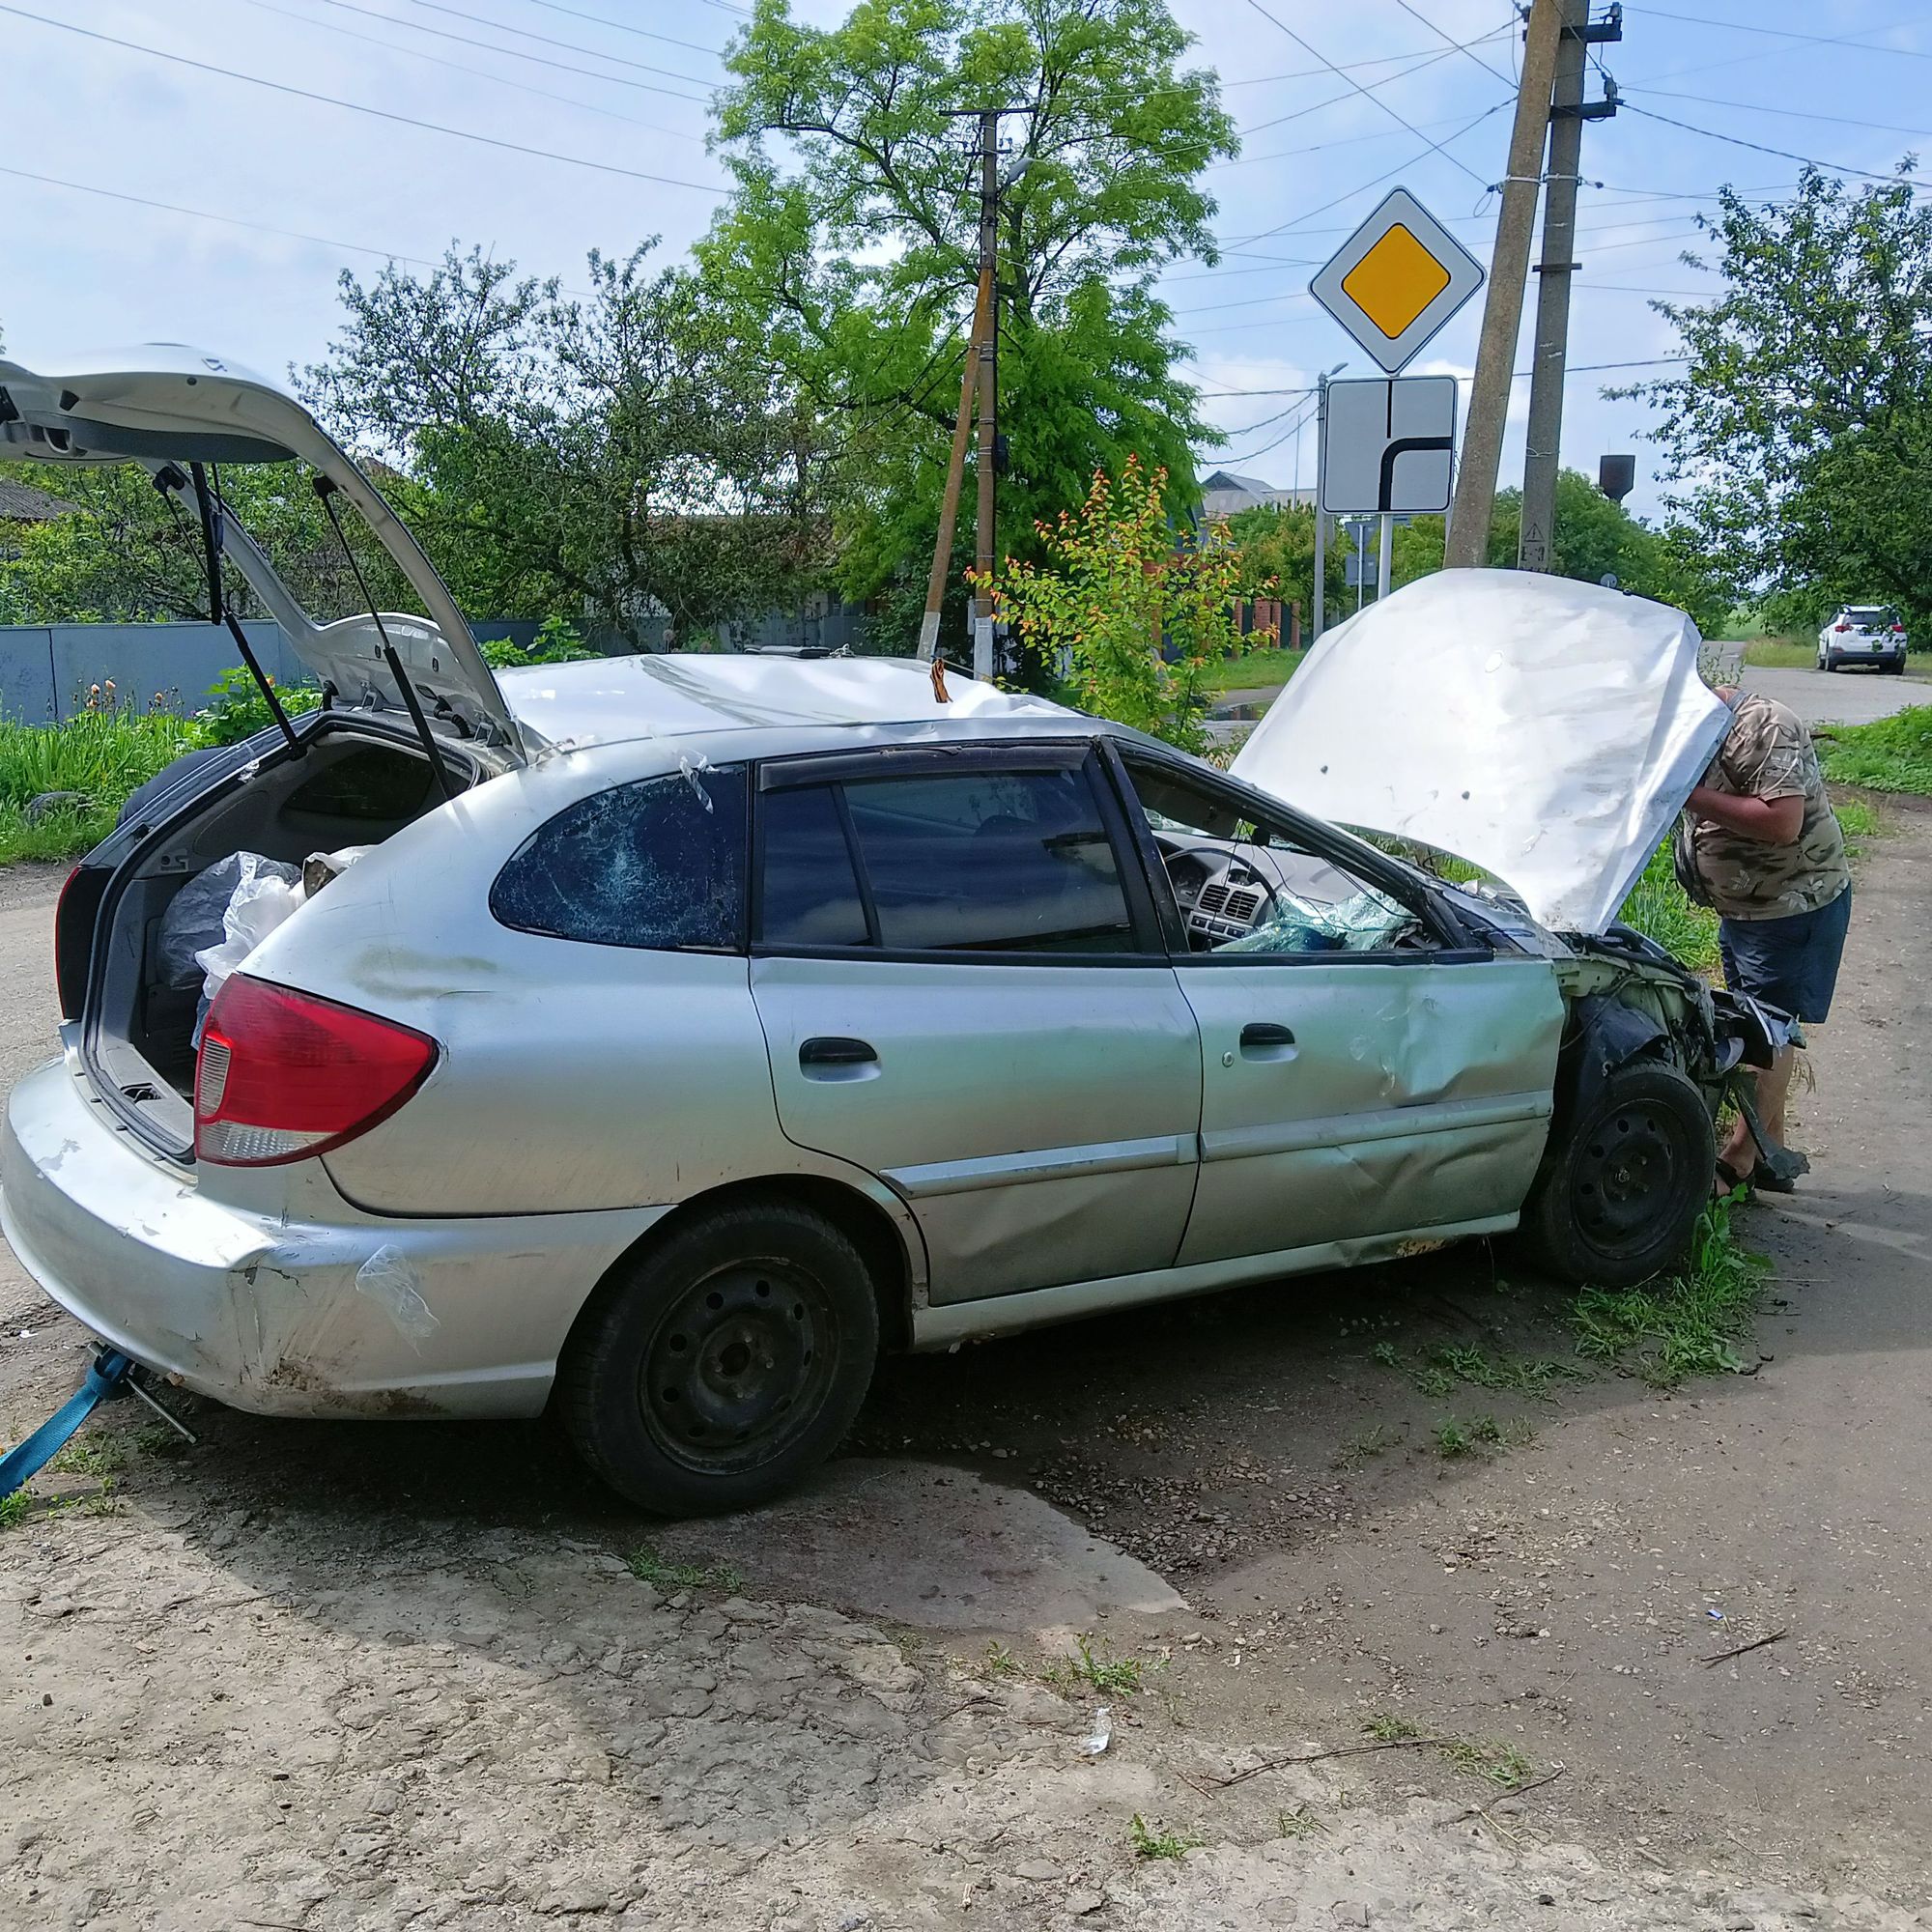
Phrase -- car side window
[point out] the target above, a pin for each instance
(991, 861)
(985, 861)
(659, 864)
(1249, 888)
(808, 885)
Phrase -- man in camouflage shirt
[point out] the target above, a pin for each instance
(1763, 847)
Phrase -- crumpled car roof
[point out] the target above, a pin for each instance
(1544, 730)
(606, 700)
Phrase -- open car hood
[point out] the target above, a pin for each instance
(166, 403)
(1545, 731)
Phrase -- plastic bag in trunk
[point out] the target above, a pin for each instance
(197, 918)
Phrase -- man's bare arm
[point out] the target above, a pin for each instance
(1772, 821)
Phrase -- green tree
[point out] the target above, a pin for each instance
(1596, 538)
(129, 555)
(627, 454)
(1276, 545)
(1113, 589)
(850, 245)
(1800, 433)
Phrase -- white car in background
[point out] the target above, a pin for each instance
(1868, 634)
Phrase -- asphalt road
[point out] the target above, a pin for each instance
(1838, 697)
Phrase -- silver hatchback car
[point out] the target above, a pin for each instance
(691, 1027)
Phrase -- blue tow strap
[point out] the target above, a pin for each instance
(108, 1376)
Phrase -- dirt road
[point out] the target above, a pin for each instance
(336, 1676)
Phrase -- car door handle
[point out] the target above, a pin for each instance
(1266, 1039)
(834, 1057)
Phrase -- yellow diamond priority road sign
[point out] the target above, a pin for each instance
(1396, 280)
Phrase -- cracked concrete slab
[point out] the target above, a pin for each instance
(929, 1547)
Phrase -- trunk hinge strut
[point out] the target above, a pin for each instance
(324, 490)
(218, 612)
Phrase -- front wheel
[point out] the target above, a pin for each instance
(1618, 1199)
(719, 1367)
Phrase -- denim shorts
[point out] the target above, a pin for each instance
(1790, 962)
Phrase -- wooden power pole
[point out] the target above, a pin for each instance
(1468, 537)
(1542, 448)
(956, 469)
(989, 393)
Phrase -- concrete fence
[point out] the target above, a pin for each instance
(48, 671)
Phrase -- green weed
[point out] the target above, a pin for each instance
(1433, 1382)
(15, 1509)
(1150, 1843)
(1456, 1437)
(1672, 1330)
(1387, 1729)
(1856, 819)
(1372, 1442)
(649, 1567)
(1387, 1355)
(1515, 1374)
(1001, 1662)
(90, 1455)
(1300, 1823)
(1115, 1675)
(1484, 1757)
(160, 1441)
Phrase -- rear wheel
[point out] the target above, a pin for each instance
(717, 1367)
(1619, 1198)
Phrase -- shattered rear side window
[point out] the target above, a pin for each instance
(657, 864)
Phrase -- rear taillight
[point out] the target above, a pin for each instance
(283, 1075)
(1841, 627)
(1898, 630)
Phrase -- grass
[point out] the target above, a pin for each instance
(101, 755)
(1456, 1437)
(1300, 1823)
(1781, 654)
(1515, 1374)
(1659, 908)
(1151, 1843)
(1502, 1764)
(1353, 1453)
(1112, 1675)
(649, 1567)
(15, 1509)
(1671, 1331)
(1387, 1729)
(1250, 670)
(1891, 755)
(90, 1455)
(1001, 1661)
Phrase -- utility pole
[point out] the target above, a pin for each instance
(989, 391)
(1386, 559)
(1468, 535)
(1567, 115)
(956, 469)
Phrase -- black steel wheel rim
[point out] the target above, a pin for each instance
(739, 1366)
(1630, 1170)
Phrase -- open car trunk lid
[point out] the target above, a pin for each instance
(165, 403)
(1544, 730)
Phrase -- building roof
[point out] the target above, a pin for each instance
(1230, 479)
(22, 504)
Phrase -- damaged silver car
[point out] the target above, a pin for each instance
(666, 1036)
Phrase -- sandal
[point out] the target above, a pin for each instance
(1726, 1181)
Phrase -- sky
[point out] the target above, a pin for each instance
(149, 198)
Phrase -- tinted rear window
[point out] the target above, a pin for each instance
(657, 864)
(811, 895)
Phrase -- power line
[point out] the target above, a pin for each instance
(620, 27)
(463, 67)
(1782, 154)
(358, 108)
(545, 40)
(1438, 145)
(1461, 46)
(230, 220)
(1789, 34)
(1388, 174)
(1790, 113)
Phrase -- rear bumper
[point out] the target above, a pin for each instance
(265, 1310)
(1853, 654)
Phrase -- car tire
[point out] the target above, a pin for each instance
(1831, 661)
(1617, 1200)
(715, 1368)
